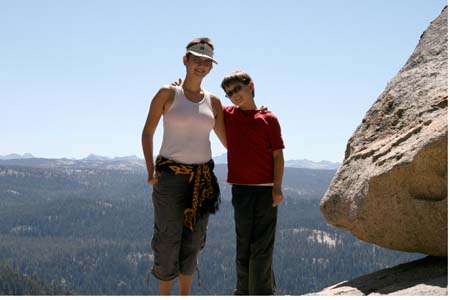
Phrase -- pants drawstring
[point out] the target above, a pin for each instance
(199, 282)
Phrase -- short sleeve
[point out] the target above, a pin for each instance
(276, 139)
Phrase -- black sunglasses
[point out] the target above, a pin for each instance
(230, 94)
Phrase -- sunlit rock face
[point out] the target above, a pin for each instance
(391, 189)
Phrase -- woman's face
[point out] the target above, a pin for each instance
(197, 65)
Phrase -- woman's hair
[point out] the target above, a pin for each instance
(237, 76)
(201, 40)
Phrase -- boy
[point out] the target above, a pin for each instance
(255, 170)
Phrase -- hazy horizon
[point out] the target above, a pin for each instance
(139, 157)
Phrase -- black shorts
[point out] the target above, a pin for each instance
(175, 247)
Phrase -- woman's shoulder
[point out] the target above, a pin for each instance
(211, 95)
(215, 101)
(164, 97)
(166, 92)
(167, 89)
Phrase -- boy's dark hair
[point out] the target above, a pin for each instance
(200, 40)
(237, 76)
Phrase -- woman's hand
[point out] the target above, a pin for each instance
(152, 180)
(264, 109)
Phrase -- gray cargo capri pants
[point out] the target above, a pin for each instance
(175, 247)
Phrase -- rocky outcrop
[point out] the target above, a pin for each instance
(425, 277)
(391, 189)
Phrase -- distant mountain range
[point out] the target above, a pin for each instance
(121, 162)
(89, 157)
(308, 164)
(117, 158)
(295, 163)
(16, 156)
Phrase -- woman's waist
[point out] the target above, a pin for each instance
(186, 157)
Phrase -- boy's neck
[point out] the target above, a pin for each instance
(249, 106)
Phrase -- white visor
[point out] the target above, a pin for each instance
(203, 50)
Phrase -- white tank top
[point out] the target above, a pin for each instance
(187, 126)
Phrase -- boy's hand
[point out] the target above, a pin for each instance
(277, 196)
(177, 83)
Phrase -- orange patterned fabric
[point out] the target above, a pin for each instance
(204, 194)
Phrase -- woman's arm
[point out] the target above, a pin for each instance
(157, 108)
(219, 127)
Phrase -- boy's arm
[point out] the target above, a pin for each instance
(278, 166)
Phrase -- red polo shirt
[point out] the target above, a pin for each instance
(251, 139)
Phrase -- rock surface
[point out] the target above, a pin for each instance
(424, 277)
(391, 189)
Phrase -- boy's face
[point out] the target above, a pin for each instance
(240, 94)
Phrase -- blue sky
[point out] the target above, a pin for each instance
(77, 77)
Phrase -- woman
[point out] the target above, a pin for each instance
(185, 190)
